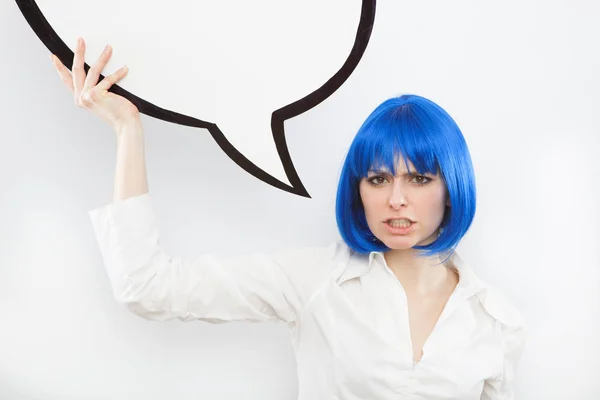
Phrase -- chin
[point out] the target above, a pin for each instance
(400, 243)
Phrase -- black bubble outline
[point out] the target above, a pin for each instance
(54, 43)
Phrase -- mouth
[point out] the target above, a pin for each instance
(401, 223)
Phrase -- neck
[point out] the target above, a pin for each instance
(417, 274)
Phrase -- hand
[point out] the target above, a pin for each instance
(116, 110)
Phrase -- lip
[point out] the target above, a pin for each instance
(389, 219)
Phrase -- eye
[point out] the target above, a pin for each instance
(420, 179)
(377, 180)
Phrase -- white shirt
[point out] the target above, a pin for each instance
(347, 312)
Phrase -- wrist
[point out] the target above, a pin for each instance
(129, 127)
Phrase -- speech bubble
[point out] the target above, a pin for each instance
(237, 68)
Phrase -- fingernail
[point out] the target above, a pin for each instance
(51, 58)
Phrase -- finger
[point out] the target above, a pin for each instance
(94, 72)
(65, 74)
(78, 70)
(113, 78)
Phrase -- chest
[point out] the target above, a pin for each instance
(423, 314)
(424, 310)
(367, 348)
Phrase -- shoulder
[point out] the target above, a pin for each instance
(309, 268)
(512, 330)
(495, 302)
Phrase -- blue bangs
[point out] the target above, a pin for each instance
(419, 131)
(388, 134)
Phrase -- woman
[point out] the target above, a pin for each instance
(390, 312)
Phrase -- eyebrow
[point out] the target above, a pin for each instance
(384, 171)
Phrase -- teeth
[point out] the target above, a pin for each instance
(399, 223)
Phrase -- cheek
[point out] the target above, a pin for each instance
(367, 207)
(434, 203)
(371, 202)
(431, 201)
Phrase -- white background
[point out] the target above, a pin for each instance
(520, 78)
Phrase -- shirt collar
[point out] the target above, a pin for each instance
(360, 264)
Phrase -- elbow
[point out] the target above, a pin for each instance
(147, 304)
(142, 310)
(145, 292)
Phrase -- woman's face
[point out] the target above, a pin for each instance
(388, 199)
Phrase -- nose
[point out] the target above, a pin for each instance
(397, 197)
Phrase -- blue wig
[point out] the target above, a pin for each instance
(416, 129)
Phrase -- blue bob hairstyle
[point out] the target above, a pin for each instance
(419, 131)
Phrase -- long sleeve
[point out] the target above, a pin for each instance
(157, 286)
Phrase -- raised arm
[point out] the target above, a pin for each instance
(158, 286)
(211, 288)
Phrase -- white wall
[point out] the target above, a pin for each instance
(521, 79)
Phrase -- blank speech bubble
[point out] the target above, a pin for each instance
(237, 68)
